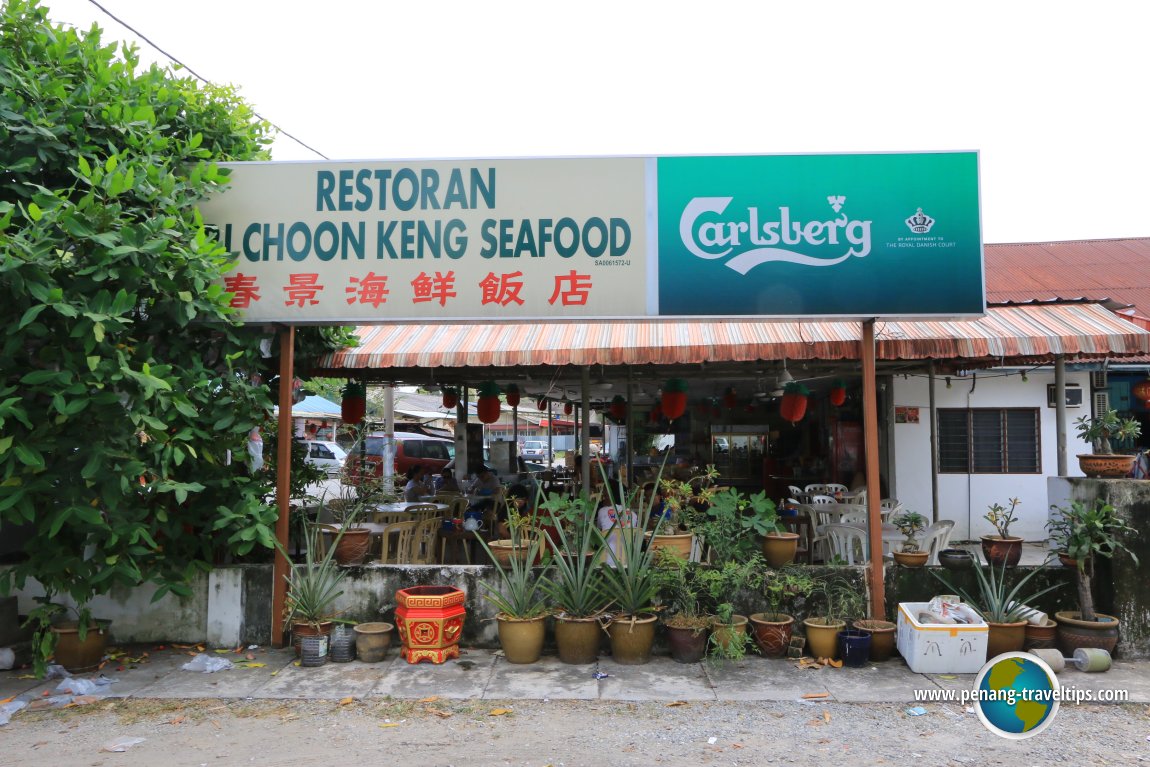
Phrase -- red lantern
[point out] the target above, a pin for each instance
(450, 398)
(838, 393)
(354, 404)
(512, 395)
(541, 403)
(794, 403)
(618, 408)
(730, 399)
(1141, 390)
(674, 398)
(568, 408)
(487, 407)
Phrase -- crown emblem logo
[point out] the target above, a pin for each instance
(920, 223)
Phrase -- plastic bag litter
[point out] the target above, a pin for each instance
(207, 664)
(83, 686)
(7, 658)
(10, 708)
(56, 671)
(120, 744)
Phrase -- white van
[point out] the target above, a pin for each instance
(328, 456)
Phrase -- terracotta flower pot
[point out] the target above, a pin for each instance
(372, 641)
(1041, 637)
(679, 544)
(1075, 633)
(578, 639)
(911, 558)
(688, 644)
(80, 656)
(881, 637)
(772, 632)
(631, 639)
(1004, 637)
(822, 636)
(779, 548)
(521, 639)
(1106, 466)
(352, 546)
(725, 633)
(998, 550)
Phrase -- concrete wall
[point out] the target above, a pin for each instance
(964, 498)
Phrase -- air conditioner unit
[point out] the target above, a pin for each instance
(1073, 396)
(1098, 379)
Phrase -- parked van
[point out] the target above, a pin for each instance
(433, 453)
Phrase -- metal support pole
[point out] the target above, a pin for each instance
(933, 448)
(280, 564)
(585, 407)
(1060, 412)
(873, 499)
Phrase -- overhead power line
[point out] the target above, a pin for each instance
(198, 76)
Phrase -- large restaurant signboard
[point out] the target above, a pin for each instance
(860, 235)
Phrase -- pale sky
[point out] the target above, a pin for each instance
(1051, 94)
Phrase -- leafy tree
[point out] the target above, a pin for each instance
(124, 378)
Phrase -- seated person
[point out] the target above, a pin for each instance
(446, 482)
(416, 485)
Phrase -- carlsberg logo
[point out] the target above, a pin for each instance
(754, 241)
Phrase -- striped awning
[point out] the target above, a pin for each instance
(1006, 333)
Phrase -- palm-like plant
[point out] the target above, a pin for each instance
(313, 588)
(1084, 533)
(993, 601)
(520, 594)
(576, 585)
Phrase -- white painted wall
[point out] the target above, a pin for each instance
(965, 498)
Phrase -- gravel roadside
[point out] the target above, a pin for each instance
(478, 733)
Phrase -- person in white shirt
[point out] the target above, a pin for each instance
(417, 485)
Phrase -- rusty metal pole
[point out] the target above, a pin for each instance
(873, 492)
(283, 483)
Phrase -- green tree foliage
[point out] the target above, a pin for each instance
(124, 378)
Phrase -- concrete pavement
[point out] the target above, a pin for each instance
(484, 674)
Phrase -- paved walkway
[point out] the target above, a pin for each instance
(484, 674)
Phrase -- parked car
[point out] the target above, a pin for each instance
(433, 453)
(328, 456)
(534, 450)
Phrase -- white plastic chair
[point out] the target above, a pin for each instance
(935, 538)
(834, 487)
(820, 502)
(846, 541)
(856, 518)
(815, 489)
(889, 507)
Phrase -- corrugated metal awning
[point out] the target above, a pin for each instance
(1005, 333)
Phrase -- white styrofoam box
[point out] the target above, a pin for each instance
(939, 648)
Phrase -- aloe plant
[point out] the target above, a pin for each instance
(576, 585)
(520, 593)
(993, 602)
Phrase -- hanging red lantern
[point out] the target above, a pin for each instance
(618, 408)
(838, 393)
(794, 403)
(730, 399)
(512, 395)
(541, 403)
(1141, 390)
(487, 407)
(354, 404)
(674, 398)
(568, 408)
(450, 397)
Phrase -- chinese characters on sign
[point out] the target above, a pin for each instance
(304, 289)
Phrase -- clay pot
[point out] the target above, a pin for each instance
(352, 546)
(1004, 637)
(578, 639)
(688, 645)
(1074, 633)
(822, 636)
(1041, 637)
(911, 558)
(80, 656)
(772, 632)
(779, 548)
(1106, 466)
(522, 640)
(679, 544)
(372, 641)
(956, 559)
(998, 550)
(881, 637)
(724, 633)
(1067, 560)
(631, 639)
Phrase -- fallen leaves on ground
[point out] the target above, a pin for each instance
(439, 712)
(674, 703)
(499, 711)
(432, 699)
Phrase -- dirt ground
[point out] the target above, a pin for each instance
(478, 733)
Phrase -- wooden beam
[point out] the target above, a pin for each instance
(873, 486)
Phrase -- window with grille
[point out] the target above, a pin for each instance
(989, 441)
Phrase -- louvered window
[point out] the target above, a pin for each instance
(989, 441)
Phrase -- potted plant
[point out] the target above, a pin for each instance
(521, 599)
(1002, 548)
(839, 599)
(1090, 531)
(1098, 431)
(69, 635)
(313, 588)
(352, 542)
(1004, 611)
(575, 587)
(632, 584)
(721, 582)
(688, 628)
(677, 503)
(772, 630)
(910, 524)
